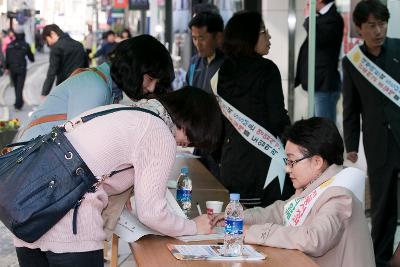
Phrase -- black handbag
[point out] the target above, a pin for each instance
(41, 181)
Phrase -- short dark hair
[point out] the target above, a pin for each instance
(108, 33)
(51, 28)
(317, 136)
(327, 1)
(198, 113)
(205, 7)
(241, 34)
(370, 7)
(134, 57)
(212, 21)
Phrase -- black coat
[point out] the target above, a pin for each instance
(379, 114)
(66, 55)
(16, 54)
(253, 86)
(329, 35)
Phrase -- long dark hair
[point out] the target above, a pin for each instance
(198, 113)
(317, 136)
(133, 58)
(241, 34)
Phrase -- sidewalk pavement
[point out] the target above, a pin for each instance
(31, 93)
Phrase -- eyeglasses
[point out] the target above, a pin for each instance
(291, 163)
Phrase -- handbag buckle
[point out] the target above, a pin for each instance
(69, 125)
(53, 135)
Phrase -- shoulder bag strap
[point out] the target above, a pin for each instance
(83, 119)
(108, 111)
(105, 112)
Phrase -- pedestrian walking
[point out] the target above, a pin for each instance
(66, 55)
(16, 54)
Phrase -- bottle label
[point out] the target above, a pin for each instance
(234, 227)
(183, 195)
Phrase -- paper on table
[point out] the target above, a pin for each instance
(130, 229)
(185, 152)
(211, 252)
(186, 155)
(171, 184)
(218, 235)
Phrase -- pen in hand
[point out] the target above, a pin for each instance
(198, 208)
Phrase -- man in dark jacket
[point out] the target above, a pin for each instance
(16, 54)
(380, 118)
(206, 28)
(207, 31)
(329, 35)
(66, 55)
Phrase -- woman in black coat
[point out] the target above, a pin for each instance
(252, 84)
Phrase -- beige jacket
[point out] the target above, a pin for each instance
(335, 232)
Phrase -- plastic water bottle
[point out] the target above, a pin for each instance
(233, 240)
(184, 190)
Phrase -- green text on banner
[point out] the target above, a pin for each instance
(296, 210)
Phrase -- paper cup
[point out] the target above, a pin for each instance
(214, 207)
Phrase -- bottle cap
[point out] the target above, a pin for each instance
(185, 170)
(234, 196)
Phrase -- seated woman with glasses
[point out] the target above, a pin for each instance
(325, 217)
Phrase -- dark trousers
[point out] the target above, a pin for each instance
(383, 187)
(36, 258)
(18, 79)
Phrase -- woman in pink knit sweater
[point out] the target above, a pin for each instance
(114, 142)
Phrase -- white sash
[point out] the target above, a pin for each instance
(255, 135)
(375, 75)
(296, 210)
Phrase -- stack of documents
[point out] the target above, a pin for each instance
(211, 252)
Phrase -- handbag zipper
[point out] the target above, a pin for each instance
(41, 188)
(75, 215)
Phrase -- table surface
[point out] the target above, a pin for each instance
(152, 250)
(201, 177)
(205, 185)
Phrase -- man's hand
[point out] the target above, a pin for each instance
(352, 156)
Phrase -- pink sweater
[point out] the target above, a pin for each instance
(108, 143)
